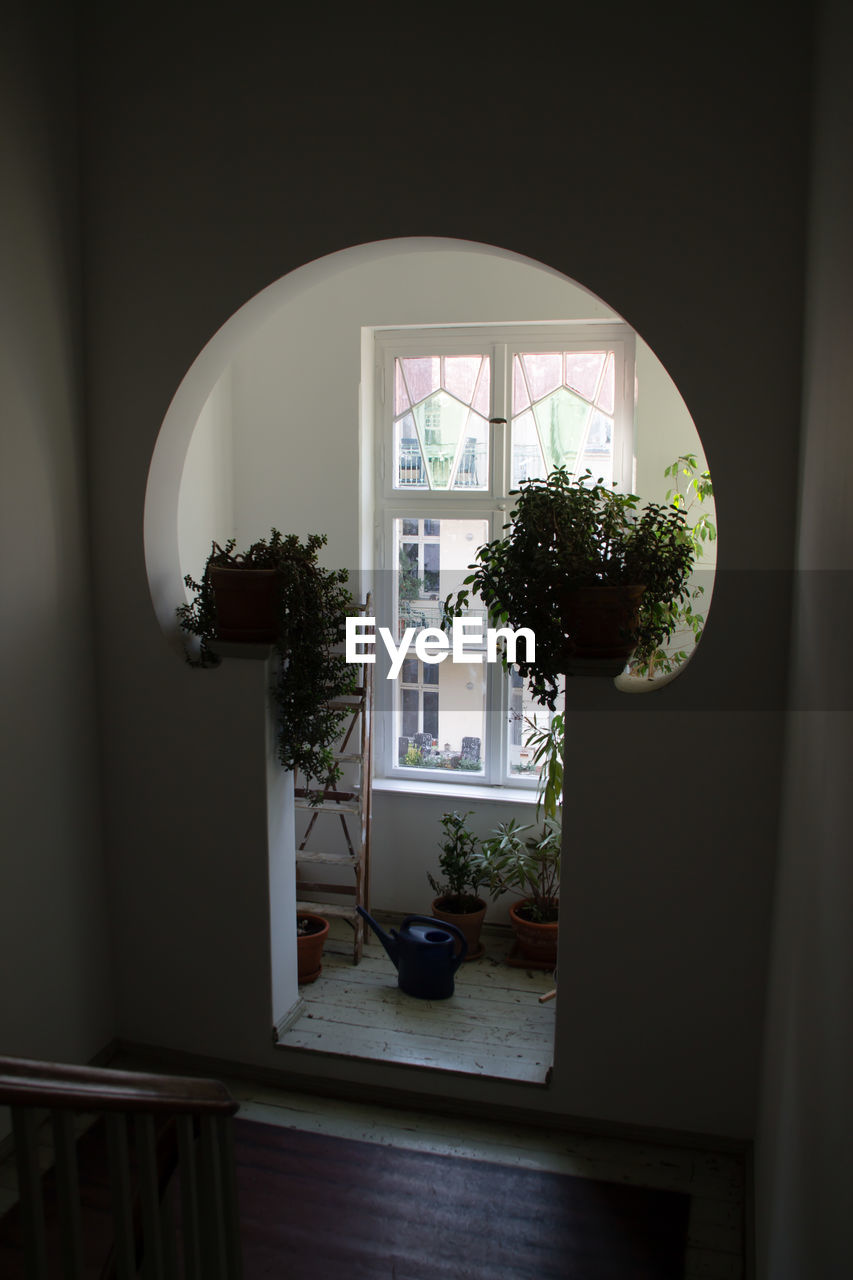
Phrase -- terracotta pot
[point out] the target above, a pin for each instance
(601, 622)
(537, 943)
(468, 922)
(246, 603)
(309, 948)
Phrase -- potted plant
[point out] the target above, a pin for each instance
(457, 901)
(585, 570)
(309, 609)
(311, 933)
(528, 866)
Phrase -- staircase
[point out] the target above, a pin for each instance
(338, 831)
(145, 1188)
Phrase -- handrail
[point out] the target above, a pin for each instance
(161, 1132)
(28, 1082)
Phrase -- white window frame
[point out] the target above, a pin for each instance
(492, 503)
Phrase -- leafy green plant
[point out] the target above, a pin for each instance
(691, 488)
(414, 758)
(547, 744)
(461, 874)
(311, 608)
(567, 532)
(528, 867)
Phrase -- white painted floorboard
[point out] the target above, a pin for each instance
(493, 1025)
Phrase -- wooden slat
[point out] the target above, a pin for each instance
(30, 1192)
(122, 1197)
(68, 1194)
(328, 908)
(188, 1174)
(26, 1082)
(327, 806)
(149, 1187)
(332, 859)
(211, 1203)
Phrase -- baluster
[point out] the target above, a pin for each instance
(68, 1193)
(213, 1234)
(122, 1198)
(231, 1209)
(188, 1171)
(149, 1188)
(30, 1191)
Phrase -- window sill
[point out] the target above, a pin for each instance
(457, 790)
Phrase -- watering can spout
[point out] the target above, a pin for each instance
(389, 941)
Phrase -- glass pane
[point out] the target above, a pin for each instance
(409, 469)
(409, 699)
(482, 396)
(401, 397)
(460, 376)
(422, 376)
(544, 372)
(410, 526)
(606, 396)
(562, 420)
(431, 714)
(472, 464)
(452, 695)
(440, 420)
(520, 398)
(524, 714)
(583, 370)
(527, 462)
(598, 450)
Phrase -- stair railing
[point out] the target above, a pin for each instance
(179, 1130)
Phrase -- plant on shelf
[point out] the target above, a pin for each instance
(577, 555)
(691, 488)
(456, 898)
(308, 620)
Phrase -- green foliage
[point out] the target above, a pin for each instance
(414, 758)
(312, 605)
(570, 532)
(529, 868)
(458, 864)
(691, 488)
(547, 745)
(409, 585)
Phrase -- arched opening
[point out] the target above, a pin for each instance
(277, 423)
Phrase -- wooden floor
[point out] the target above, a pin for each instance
(493, 1025)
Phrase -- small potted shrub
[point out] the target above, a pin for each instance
(586, 571)
(528, 866)
(457, 901)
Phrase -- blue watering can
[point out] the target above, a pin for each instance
(423, 953)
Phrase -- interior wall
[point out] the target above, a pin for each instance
(806, 1131)
(222, 155)
(56, 997)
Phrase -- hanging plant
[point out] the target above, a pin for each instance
(310, 606)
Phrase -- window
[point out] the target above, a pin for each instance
(465, 415)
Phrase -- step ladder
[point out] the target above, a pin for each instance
(338, 831)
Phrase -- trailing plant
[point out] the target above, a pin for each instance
(528, 867)
(311, 608)
(567, 532)
(461, 874)
(691, 488)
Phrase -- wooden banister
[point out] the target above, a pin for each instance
(26, 1082)
(157, 1126)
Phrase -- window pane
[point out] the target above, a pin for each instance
(451, 695)
(569, 421)
(411, 526)
(441, 407)
(525, 715)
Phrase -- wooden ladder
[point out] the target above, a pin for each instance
(345, 810)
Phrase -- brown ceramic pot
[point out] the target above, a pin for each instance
(601, 622)
(468, 922)
(246, 603)
(309, 947)
(537, 942)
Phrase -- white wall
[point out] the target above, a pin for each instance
(56, 994)
(805, 1144)
(206, 495)
(201, 188)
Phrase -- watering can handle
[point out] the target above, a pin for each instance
(442, 924)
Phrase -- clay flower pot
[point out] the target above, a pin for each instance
(309, 946)
(468, 922)
(602, 623)
(246, 603)
(537, 943)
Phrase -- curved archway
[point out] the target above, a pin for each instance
(268, 349)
